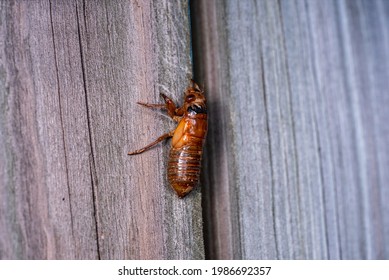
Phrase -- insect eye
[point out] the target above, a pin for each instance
(190, 98)
(197, 109)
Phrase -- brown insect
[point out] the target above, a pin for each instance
(188, 138)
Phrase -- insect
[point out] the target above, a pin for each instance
(187, 139)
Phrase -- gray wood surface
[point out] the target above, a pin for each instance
(296, 161)
(297, 157)
(71, 73)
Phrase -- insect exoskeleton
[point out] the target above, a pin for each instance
(188, 138)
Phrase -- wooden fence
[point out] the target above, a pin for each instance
(296, 162)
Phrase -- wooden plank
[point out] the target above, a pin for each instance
(71, 74)
(296, 155)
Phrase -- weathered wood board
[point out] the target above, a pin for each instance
(71, 73)
(297, 158)
(296, 162)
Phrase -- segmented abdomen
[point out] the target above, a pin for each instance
(184, 166)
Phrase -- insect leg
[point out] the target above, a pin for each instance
(162, 106)
(172, 110)
(149, 146)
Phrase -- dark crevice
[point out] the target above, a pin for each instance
(205, 37)
(216, 134)
(206, 197)
(61, 116)
(92, 163)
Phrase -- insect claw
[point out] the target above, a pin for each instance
(164, 96)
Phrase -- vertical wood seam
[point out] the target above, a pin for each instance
(92, 164)
(339, 239)
(288, 93)
(317, 137)
(267, 116)
(61, 117)
(323, 198)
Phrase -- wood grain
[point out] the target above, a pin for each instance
(296, 159)
(297, 153)
(71, 73)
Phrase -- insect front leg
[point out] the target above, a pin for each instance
(172, 110)
(149, 146)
